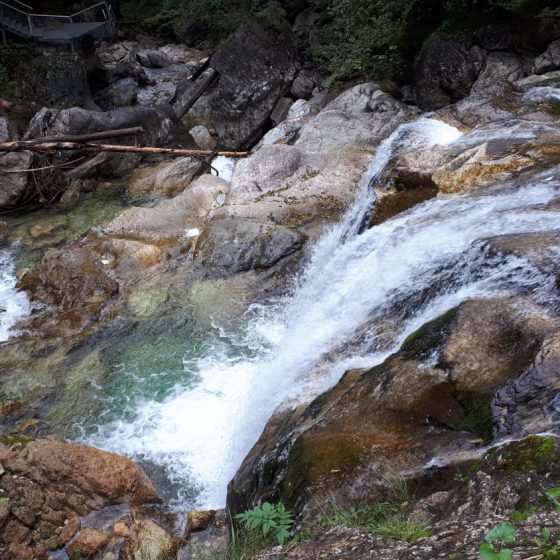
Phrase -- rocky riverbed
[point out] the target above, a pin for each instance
(370, 296)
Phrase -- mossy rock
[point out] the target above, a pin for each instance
(478, 415)
(428, 337)
(539, 454)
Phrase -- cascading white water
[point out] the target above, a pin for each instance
(13, 304)
(202, 432)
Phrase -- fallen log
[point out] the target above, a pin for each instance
(188, 99)
(89, 168)
(104, 135)
(31, 145)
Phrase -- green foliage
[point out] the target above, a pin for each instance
(204, 21)
(503, 533)
(520, 516)
(9, 397)
(389, 518)
(4, 501)
(379, 38)
(487, 552)
(554, 496)
(273, 520)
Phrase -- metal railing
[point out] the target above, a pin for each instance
(99, 13)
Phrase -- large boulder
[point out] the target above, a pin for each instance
(122, 93)
(13, 166)
(499, 67)
(115, 62)
(172, 219)
(356, 120)
(158, 124)
(445, 71)
(256, 68)
(232, 245)
(72, 281)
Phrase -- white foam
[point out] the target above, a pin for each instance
(14, 304)
(225, 166)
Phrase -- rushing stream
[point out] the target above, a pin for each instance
(356, 299)
(13, 304)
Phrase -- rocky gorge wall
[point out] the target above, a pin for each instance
(431, 412)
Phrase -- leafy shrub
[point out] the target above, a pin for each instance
(272, 520)
(206, 21)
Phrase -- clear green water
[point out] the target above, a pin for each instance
(93, 209)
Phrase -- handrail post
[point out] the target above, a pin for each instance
(30, 23)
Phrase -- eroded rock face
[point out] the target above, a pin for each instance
(257, 66)
(416, 415)
(50, 484)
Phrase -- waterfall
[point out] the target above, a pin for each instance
(357, 298)
(13, 304)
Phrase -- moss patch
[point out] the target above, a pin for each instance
(534, 453)
(428, 336)
(478, 415)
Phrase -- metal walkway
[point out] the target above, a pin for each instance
(99, 21)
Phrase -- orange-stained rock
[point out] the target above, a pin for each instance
(51, 483)
(88, 543)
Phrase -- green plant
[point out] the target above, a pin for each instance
(503, 533)
(4, 501)
(273, 520)
(553, 495)
(548, 548)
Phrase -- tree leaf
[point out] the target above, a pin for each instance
(503, 532)
(546, 534)
(505, 554)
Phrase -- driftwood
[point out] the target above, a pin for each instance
(104, 135)
(89, 167)
(32, 145)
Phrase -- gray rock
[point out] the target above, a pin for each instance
(257, 66)
(122, 93)
(357, 120)
(303, 84)
(232, 245)
(203, 138)
(499, 67)
(444, 72)
(12, 185)
(549, 60)
(153, 59)
(281, 110)
(264, 171)
(167, 179)
(170, 219)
